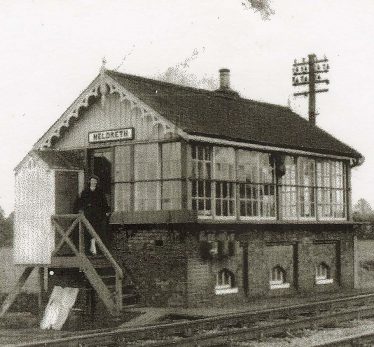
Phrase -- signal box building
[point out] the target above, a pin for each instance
(215, 199)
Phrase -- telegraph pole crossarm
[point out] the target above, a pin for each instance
(308, 73)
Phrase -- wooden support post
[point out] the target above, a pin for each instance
(119, 296)
(81, 245)
(41, 293)
(15, 291)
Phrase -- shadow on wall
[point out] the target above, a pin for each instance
(9, 273)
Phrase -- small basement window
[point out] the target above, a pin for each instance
(278, 278)
(225, 283)
(323, 274)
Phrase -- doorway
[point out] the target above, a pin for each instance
(100, 164)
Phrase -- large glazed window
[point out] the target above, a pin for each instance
(306, 176)
(122, 178)
(201, 193)
(330, 192)
(171, 175)
(224, 175)
(235, 183)
(256, 185)
(147, 177)
(288, 189)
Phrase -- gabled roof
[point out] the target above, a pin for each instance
(64, 160)
(68, 160)
(228, 116)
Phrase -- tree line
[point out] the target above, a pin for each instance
(6, 228)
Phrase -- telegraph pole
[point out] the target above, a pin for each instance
(308, 73)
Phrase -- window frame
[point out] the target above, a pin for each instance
(325, 278)
(257, 185)
(343, 189)
(194, 178)
(288, 199)
(278, 283)
(227, 288)
(215, 181)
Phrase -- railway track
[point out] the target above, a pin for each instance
(360, 340)
(223, 330)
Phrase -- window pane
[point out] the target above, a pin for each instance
(147, 196)
(225, 199)
(224, 159)
(146, 162)
(288, 189)
(171, 195)
(201, 175)
(331, 191)
(122, 193)
(306, 175)
(171, 160)
(257, 195)
(123, 166)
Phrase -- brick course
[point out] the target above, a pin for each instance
(169, 269)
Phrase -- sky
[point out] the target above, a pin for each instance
(51, 50)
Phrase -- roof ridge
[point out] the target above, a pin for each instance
(213, 93)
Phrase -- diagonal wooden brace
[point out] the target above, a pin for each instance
(65, 236)
(11, 297)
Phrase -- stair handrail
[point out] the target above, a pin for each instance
(80, 218)
(81, 221)
(101, 244)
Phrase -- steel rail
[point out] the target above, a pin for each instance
(351, 341)
(119, 336)
(271, 329)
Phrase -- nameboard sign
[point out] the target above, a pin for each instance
(111, 135)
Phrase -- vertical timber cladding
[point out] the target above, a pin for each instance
(114, 114)
(34, 206)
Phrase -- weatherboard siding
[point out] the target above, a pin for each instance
(112, 114)
(34, 206)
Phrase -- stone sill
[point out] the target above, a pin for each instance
(324, 281)
(222, 291)
(279, 285)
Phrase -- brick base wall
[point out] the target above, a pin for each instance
(174, 266)
(155, 260)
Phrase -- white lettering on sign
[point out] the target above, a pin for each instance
(111, 135)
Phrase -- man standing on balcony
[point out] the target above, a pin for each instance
(93, 204)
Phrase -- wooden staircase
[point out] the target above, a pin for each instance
(103, 272)
(107, 275)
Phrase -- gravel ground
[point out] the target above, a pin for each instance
(309, 338)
